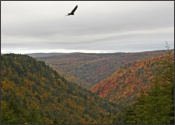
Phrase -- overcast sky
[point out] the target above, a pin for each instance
(97, 26)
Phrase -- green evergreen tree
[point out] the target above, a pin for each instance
(157, 105)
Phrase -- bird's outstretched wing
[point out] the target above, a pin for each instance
(72, 12)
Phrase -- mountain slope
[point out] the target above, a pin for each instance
(92, 68)
(72, 78)
(32, 92)
(155, 106)
(125, 85)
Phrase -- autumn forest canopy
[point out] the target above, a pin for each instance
(78, 88)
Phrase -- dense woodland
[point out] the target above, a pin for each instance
(139, 92)
(32, 92)
(155, 106)
(91, 68)
(128, 81)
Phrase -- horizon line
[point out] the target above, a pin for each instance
(84, 51)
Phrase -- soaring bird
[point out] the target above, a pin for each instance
(72, 12)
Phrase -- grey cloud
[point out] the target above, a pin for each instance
(96, 25)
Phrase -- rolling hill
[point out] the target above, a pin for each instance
(92, 68)
(34, 93)
(129, 81)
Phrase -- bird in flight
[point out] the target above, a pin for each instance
(72, 12)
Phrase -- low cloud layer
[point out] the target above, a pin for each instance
(97, 26)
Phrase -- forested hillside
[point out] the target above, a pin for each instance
(32, 92)
(126, 84)
(92, 68)
(72, 78)
(139, 92)
(155, 106)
